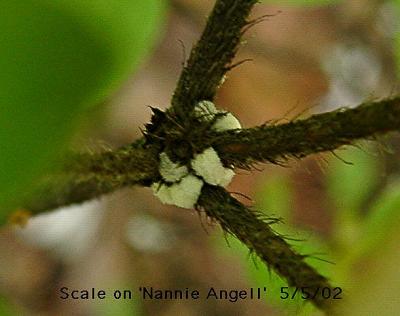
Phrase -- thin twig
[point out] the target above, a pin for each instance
(257, 235)
(300, 138)
(87, 176)
(212, 54)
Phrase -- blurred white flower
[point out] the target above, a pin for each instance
(147, 234)
(67, 232)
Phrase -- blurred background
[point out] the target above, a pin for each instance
(343, 209)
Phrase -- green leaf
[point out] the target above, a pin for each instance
(275, 197)
(382, 222)
(375, 284)
(349, 185)
(58, 58)
(305, 3)
(397, 52)
(396, 4)
(7, 309)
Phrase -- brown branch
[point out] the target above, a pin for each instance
(321, 132)
(212, 54)
(87, 176)
(257, 235)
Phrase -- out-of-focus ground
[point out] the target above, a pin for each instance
(303, 61)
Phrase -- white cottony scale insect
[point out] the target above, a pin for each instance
(180, 187)
(183, 194)
(163, 192)
(206, 111)
(210, 168)
(171, 171)
(226, 122)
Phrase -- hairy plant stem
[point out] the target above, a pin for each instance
(257, 235)
(211, 57)
(299, 138)
(90, 175)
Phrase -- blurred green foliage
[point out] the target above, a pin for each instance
(352, 178)
(58, 58)
(383, 220)
(6, 309)
(350, 182)
(396, 4)
(121, 307)
(304, 3)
